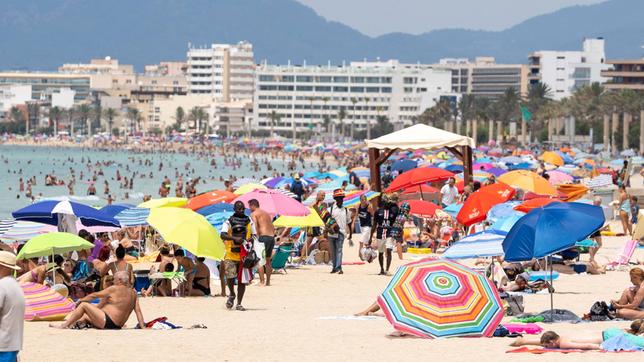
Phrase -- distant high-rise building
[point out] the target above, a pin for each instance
(44, 83)
(225, 71)
(565, 71)
(625, 74)
(484, 77)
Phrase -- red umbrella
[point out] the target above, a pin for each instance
(480, 202)
(425, 189)
(210, 198)
(531, 204)
(422, 208)
(418, 176)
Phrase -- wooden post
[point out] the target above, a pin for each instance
(490, 130)
(625, 129)
(467, 165)
(474, 129)
(613, 135)
(374, 169)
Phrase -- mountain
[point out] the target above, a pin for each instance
(42, 34)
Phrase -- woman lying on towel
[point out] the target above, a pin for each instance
(551, 339)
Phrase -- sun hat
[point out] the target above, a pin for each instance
(8, 260)
(338, 193)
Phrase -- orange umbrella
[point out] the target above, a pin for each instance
(210, 198)
(529, 205)
(480, 202)
(572, 192)
(552, 158)
(528, 181)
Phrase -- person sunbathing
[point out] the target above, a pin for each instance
(631, 304)
(371, 311)
(116, 304)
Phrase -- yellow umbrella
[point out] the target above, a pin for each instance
(552, 158)
(244, 189)
(528, 181)
(310, 220)
(187, 229)
(164, 202)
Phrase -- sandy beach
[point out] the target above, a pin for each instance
(286, 322)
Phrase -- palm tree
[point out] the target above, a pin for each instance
(366, 101)
(71, 114)
(55, 114)
(353, 118)
(33, 113)
(198, 115)
(98, 113)
(84, 112)
(110, 114)
(538, 97)
(18, 116)
(342, 114)
(134, 115)
(507, 109)
(466, 109)
(274, 118)
(179, 117)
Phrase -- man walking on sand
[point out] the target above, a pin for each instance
(337, 226)
(266, 235)
(12, 309)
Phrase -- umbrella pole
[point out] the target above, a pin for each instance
(420, 188)
(551, 290)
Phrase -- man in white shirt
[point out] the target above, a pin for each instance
(337, 230)
(449, 193)
(12, 309)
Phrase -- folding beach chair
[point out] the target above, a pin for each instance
(281, 256)
(624, 258)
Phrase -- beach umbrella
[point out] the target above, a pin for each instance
(519, 166)
(404, 165)
(482, 166)
(528, 181)
(15, 230)
(503, 210)
(210, 198)
(422, 208)
(310, 220)
(438, 298)
(453, 209)
(275, 203)
(215, 208)
(496, 171)
(425, 189)
(601, 181)
(272, 182)
(114, 209)
(244, 181)
(286, 193)
(506, 223)
(353, 198)
(187, 229)
(58, 212)
(135, 216)
(44, 304)
(572, 192)
(477, 205)
(565, 157)
(559, 177)
(418, 176)
(552, 158)
(164, 202)
(51, 244)
(532, 204)
(455, 168)
(484, 244)
(243, 189)
(551, 229)
(511, 160)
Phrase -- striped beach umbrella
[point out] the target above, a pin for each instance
(438, 298)
(133, 217)
(15, 230)
(484, 244)
(44, 304)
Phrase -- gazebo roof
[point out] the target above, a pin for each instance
(420, 136)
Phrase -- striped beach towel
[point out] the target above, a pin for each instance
(44, 304)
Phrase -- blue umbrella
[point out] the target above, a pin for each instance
(506, 224)
(551, 229)
(455, 168)
(404, 165)
(483, 244)
(502, 211)
(453, 209)
(215, 208)
(46, 212)
(133, 217)
(520, 166)
(114, 209)
(566, 157)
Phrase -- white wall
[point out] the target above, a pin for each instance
(64, 98)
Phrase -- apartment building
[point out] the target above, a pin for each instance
(484, 77)
(225, 71)
(302, 97)
(565, 71)
(625, 74)
(12, 95)
(43, 84)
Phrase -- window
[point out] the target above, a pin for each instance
(340, 79)
(373, 79)
(267, 87)
(157, 109)
(302, 88)
(323, 89)
(357, 79)
(288, 78)
(385, 89)
(304, 78)
(286, 87)
(340, 89)
(373, 89)
(560, 57)
(324, 79)
(357, 89)
(266, 78)
(409, 80)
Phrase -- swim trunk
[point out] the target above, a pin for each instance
(269, 244)
(109, 323)
(231, 269)
(387, 243)
(366, 234)
(260, 250)
(9, 356)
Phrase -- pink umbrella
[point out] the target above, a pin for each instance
(559, 177)
(482, 166)
(275, 203)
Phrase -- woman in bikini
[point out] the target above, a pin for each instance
(624, 209)
(201, 281)
(100, 266)
(121, 265)
(631, 303)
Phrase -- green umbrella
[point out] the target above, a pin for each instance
(53, 243)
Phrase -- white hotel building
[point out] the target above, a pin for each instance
(565, 71)
(307, 95)
(224, 71)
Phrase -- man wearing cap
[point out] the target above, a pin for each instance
(12, 309)
(337, 229)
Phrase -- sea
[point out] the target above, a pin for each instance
(27, 161)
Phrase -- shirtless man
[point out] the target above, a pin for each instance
(114, 309)
(264, 225)
(189, 269)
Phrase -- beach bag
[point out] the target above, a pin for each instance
(251, 259)
(599, 311)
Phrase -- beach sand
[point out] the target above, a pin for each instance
(284, 322)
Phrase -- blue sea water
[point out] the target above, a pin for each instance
(25, 161)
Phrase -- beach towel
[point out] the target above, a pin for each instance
(541, 350)
(528, 328)
(620, 343)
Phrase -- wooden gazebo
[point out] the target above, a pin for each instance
(418, 137)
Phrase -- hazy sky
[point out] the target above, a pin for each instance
(376, 17)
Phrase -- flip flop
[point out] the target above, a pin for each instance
(230, 302)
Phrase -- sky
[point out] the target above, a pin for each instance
(377, 17)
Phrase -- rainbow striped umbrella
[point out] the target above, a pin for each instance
(44, 304)
(438, 298)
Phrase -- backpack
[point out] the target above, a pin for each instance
(600, 312)
(297, 188)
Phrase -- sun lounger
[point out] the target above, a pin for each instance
(281, 256)
(624, 258)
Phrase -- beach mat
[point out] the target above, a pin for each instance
(540, 350)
